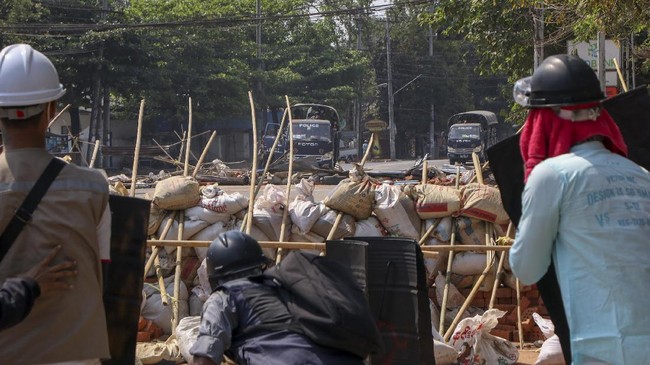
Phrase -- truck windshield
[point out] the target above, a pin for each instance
(311, 131)
(458, 131)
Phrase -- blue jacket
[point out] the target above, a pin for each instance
(17, 297)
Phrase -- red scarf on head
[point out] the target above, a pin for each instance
(547, 135)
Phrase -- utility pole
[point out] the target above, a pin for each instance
(391, 116)
(601, 60)
(432, 123)
(260, 65)
(538, 23)
(357, 103)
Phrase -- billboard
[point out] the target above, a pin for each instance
(588, 51)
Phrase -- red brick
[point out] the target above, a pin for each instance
(504, 292)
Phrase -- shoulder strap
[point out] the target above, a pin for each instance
(24, 213)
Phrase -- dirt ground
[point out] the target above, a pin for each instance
(527, 357)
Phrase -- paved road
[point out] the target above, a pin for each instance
(321, 191)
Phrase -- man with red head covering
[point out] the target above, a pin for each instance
(585, 214)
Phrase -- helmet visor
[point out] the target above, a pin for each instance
(521, 91)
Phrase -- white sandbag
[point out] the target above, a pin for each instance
(396, 212)
(551, 352)
(435, 320)
(204, 290)
(442, 233)
(324, 224)
(256, 233)
(167, 263)
(476, 346)
(546, 325)
(297, 236)
(434, 201)
(225, 203)
(469, 263)
(444, 354)
(304, 190)
(199, 213)
(454, 297)
(470, 231)
(176, 193)
(370, 227)
(187, 332)
(304, 214)
(208, 233)
(268, 212)
(190, 228)
(483, 202)
(160, 314)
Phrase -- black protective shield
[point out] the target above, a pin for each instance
(508, 170)
(631, 112)
(123, 276)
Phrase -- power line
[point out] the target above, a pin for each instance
(216, 22)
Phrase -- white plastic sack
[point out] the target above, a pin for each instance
(396, 212)
(224, 203)
(304, 214)
(186, 333)
(268, 212)
(475, 344)
(208, 233)
(190, 228)
(454, 297)
(160, 314)
(155, 352)
(444, 354)
(551, 352)
(442, 233)
(370, 227)
(199, 213)
(468, 263)
(546, 325)
(305, 190)
(324, 224)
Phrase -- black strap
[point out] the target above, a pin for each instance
(24, 213)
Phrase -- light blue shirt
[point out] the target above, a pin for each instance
(590, 210)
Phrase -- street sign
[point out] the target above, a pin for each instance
(588, 51)
(376, 125)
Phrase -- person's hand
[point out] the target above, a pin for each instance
(52, 278)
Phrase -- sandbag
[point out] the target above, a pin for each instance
(304, 214)
(195, 303)
(370, 227)
(475, 344)
(156, 216)
(258, 234)
(454, 297)
(444, 354)
(470, 231)
(442, 233)
(483, 202)
(353, 197)
(160, 314)
(396, 212)
(551, 352)
(324, 224)
(224, 203)
(176, 192)
(155, 352)
(190, 228)
(268, 212)
(297, 236)
(208, 233)
(468, 263)
(199, 213)
(434, 201)
(167, 263)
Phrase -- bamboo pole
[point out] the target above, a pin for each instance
(203, 154)
(94, 156)
(177, 273)
(450, 260)
(426, 234)
(269, 159)
(57, 116)
(285, 212)
(519, 327)
(620, 75)
(249, 214)
(497, 279)
(467, 302)
(136, 155)
(366, 154)
(477, 168)
(155, 249)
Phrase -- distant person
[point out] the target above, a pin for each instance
(70, 327)
(365, 145)
(238, 304)
(18, 294)
(585, 215)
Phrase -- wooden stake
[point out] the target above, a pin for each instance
(136, 155)
(154, 250)
(477, 168)
(203, 154)
(56, 117)
(368, 149)
(249, 214)
(186, 169)
(94, 156)
(519, 328)
(177, 273)
(620, 75)
(285, 212)
(450, 260)
(497, 279)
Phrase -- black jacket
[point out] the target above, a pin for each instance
(17, 297)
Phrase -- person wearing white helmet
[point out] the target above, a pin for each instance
(68, 328)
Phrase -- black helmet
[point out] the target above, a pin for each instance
(232, 255)
(564, 80)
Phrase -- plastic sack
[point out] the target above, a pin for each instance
(434, 201)
(546, 325)
(370, 227)
(475, 344)
(396, 212)
(551, 352)
(176, 192)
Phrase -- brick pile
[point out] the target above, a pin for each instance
(506, 300)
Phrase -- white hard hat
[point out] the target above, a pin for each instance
(27, 78)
